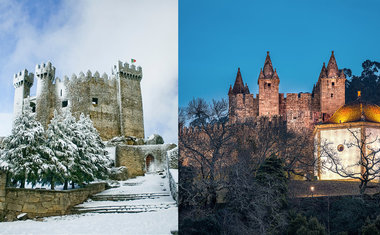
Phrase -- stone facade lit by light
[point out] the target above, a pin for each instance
(301, 110)
(357, 119)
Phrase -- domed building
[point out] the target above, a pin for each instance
(351, 133)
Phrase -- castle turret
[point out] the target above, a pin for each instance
(331, 87)
(268, 90)
(239, 87)
(332, 67)
(45, 99)
(129, 99)
(241, 101)
(323, 73)
(22, 83)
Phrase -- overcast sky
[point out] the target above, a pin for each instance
(94, 34)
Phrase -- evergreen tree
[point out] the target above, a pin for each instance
(94, 161)
(271, 174)
(61, 134)
(368, 83)
(371, 228)
(300, 226)
(25, 154)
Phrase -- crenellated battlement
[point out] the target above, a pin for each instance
(199, 130)
(299, 109)
(23, 78)
(113, 104)
(45, 70)
(88, 77)
(127, 71)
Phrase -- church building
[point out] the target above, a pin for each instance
(348, 142)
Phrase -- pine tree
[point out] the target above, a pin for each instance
(95, 156)
(60, 136)
(25, 153)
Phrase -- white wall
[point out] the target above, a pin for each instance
(348, 157)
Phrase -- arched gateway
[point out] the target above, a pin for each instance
(149, 163)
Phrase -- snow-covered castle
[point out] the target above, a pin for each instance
(113, 102)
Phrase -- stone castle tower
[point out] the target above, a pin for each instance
(301, 110)
(268, 82)
(113, 103)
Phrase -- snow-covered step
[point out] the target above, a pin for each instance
(123, 208)
(126, 197)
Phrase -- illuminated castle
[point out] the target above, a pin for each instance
(301, 110)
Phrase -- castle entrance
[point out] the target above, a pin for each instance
(149, 163)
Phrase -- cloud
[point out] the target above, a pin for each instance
(92, 34)
(6, 120)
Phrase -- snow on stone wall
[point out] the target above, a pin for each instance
(41, 202)
(134, 157)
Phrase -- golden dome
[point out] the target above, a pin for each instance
(355, 112)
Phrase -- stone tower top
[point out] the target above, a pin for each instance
(126, 71)
(23, 78)
(332, 67)
(323, 73)
(268, 72)
(268, 67)
(239, 87)
(45, 70)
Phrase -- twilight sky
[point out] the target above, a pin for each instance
(94, 34)
(216, 37)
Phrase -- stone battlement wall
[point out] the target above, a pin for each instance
(42, 202)
(301, 110)
(243, 107)
(300, 188)
(114, 103)
(298, 110)
(134, 157)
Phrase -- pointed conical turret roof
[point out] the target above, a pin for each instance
(261, 73)
(323, 73)
(246, 89)
(230, 90)
(332, 67)
(342, 75)
(268, 67)
(275, 75)
(239, 85)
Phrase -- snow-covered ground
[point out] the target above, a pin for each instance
(151, 190)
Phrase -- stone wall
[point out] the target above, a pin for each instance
(114, 103)
(300, 110)
(242, 107)
(299, 188)
(95, 97)
(3, 179)
(269, 98)
(42, 202)
(134, 157)
(332, 94)
(173, 183)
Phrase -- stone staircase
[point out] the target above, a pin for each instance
(150, 196)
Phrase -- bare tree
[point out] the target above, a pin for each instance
(206, 145)
(263, 138)
(368, 160)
